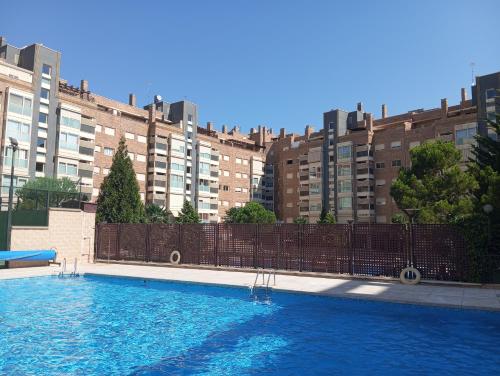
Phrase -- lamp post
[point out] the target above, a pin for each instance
(14, 146)
(411, 213)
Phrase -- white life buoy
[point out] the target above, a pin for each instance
(175, 257)
(408, 281)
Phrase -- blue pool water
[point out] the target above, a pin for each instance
(108, 326)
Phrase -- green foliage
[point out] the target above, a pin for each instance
(300, 221)
(400, 218)
(326, 218)
(119, 200)
(157, 214)
(188, 214)
(487, 150)
(35, 193)
(252, 212)
(435, 185)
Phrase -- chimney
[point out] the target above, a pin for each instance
(282, 133)
(444, 107)
(252, 130)
(224, 128)
(384, 111)
(3, 41)
(209, 126)
(464, 94)
(132, 99)
(84, 85)
(369, 122)
(360, 106)
(308, 131)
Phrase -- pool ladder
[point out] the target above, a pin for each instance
(264, 285)
(74, 273)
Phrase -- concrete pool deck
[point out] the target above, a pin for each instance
(446, 295)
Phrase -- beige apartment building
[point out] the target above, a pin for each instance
(346, 167)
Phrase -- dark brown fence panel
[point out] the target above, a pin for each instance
(325, 248)
(379, 249)
(440, 252)
(290, 247)
(268, 251)
(163, 240)
(107, 236)
(198, 244)
(132, 242)
(236, 245)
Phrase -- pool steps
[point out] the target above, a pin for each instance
(264, 285)
(63, 273)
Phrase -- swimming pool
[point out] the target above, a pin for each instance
(101, 326)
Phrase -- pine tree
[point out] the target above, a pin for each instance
(188, 214)
(326, 218)
(157, 214)
(119, 200)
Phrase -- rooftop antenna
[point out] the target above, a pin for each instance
(472, 65)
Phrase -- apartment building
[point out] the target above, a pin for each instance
(364, 155)
(69, 131)
(347, 166)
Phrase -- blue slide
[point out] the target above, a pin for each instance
(34, 255)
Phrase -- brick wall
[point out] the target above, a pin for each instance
(70, 232)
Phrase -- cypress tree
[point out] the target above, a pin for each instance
(188, 214)
(119, 200)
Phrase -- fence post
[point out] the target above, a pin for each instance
(256, 239)
(301, 250)
(351, 248)
(96, 242)
(216, 243)
(179, 238)
(147, 253)
(118, 234)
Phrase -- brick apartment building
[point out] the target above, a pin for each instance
(347, 166)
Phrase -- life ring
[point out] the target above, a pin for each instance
(408, 281)
(175, 257)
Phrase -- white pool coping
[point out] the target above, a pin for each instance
(457, 296)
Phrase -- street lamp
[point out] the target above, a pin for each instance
(14, 146)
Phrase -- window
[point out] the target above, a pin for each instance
(344, 152)
(414, 144)
(141, 177)
(396, 163)
(98, 128)
(244, 190)
(97, 170)
(396, 145)
(380, 201)
(380, 165)
(69, 119)
(20, 131)
(465, 136)
(39, 167)
(345, 203)
(105, 171)
(67, 169)
(108, 152)
(20, 161)
(97, 149)
(314, 188)
(238, 160)
(190, 118)
(43, 118)
(141, 158)
(238, 175)
(141, 139)
(289, 190)
(204, 168)
(225, 157)
(45, 81)
(225, 188)
(44, 93)
(289, 175)
(244, 176)
(205, 155)
(245, 162)
(129, 136)
(225, 203)
(344, 170)
(176, 167)
(41, 142)
(237, 204)
(68, 141)
(20, 105)
(289, 161)
(345, 186)
(176, 181)
(109, 131)
(226, 173)
(380, 182)
(47, 69)
(491, 93)
(237, 189)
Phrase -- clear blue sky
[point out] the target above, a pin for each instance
(278, 63)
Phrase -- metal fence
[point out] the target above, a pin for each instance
(438, 251)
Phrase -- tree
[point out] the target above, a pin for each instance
(38, 192)
(252, 212)
(435, 185)
(399, 218)
(119, 200)
(157, 214)
(326, 218)
(300, 221)
(188, 214)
